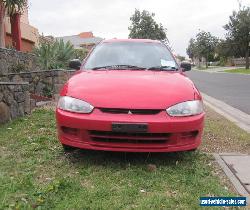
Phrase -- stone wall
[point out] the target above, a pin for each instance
(23, 84)
(12, 61)
(14, 100)
(42, 83)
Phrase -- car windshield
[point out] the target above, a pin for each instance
(131, 55)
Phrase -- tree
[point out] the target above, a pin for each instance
(54, 55)
(202, 46)
(238, 31)
(191, 50)
(13, 8)
(143, 26)
(225, 49)
(206, 44)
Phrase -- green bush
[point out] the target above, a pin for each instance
(222, 61)
(80, 53)
(47, 91)
(54, 55)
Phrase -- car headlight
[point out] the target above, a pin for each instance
(187, 108)
(74, 105)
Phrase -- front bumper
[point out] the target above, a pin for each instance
(94, 131)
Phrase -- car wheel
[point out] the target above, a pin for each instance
(67, 148)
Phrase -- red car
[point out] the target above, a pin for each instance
(131, 96)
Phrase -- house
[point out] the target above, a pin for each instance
(83, 40)
(29, 34)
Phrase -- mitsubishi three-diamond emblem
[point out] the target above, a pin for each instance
(129, 112)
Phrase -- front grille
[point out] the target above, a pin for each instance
(131, 138)
(131, 111)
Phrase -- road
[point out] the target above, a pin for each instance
(233, 89)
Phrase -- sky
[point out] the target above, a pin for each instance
(110, 19)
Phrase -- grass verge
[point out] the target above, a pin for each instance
(221, 135)
(36, 173)
(239, 71)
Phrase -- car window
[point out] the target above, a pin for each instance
(139, 54)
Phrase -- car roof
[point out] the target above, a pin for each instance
(131, 40)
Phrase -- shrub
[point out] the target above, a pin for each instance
(54, 55)
(80, 53)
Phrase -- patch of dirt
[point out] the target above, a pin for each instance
(49, 106)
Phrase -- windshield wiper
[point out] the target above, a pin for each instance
(160, 68)
(100, 67)
(119, 67)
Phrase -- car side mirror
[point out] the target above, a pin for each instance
(186, 66)
(75, 64)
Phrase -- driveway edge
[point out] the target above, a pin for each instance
(234, 180)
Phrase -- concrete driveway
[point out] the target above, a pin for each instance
(233, 89)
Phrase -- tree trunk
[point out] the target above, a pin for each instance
(247, 58)
(2, 28)
(206, 61)
(199, 62)
(16, 31)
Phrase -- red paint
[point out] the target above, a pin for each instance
(159, 123)
(16, 31)
(130, 90)
(127, 89)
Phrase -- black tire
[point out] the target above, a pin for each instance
(67, 148)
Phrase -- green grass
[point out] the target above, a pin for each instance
(241, 71)
(36, 173)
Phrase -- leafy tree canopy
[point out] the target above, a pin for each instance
(227, 48)
(203, 45)
(143, 26)
(238, 32)
(14, 6)
(192, 49)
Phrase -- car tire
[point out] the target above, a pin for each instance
(67, 148)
